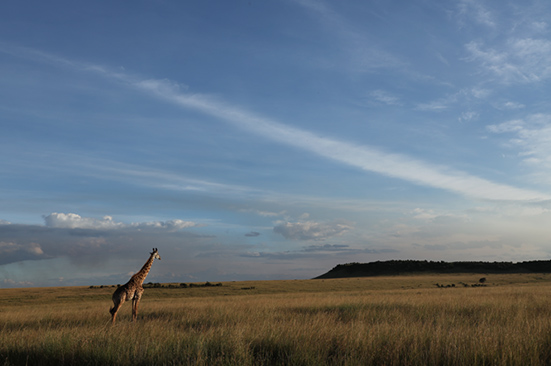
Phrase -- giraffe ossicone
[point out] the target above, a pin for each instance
(133, 289)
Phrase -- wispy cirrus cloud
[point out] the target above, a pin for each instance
(518, 60)
(384, 97)
(361, 156)
(435, 106)
(362, 52)
(530, 136)
(364, 157)
(461, 97)
(477, 12)
(319, 251)
(310, 230)
(510, 105)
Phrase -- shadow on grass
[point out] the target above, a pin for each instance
(53, 357)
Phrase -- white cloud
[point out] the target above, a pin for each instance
(438, 217)
(463, 96)
(495, 61)
(424, 214)
(310, 230)
(74, 221)
(34, 248)
(512, 105)
(510, 126)
(468, 116)
(436, 105)
(263, 213)
(163, 179)
(480, 93)
(171, 225)
(533, 57)
(539, 26)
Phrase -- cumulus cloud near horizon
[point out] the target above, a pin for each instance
(75, 221)
(12, 251)
(86, 241)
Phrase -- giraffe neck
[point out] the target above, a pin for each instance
(142, 274)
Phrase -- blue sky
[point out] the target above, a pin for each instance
(270, 140)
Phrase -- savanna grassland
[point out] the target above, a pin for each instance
(405, 320)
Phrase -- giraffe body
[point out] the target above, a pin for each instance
(133, 289)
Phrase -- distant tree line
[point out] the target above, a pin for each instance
(398, 267)
(181, 285)
(170, 285)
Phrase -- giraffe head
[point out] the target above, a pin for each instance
(155, 254)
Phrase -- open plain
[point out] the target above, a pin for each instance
(396, 320)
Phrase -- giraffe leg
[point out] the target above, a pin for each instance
(135, 304)
(115, 309)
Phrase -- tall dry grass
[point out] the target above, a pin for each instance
(505, 325)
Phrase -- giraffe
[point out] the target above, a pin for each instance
(132, 290)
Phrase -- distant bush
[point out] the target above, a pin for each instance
(461, 283)
(206, 284)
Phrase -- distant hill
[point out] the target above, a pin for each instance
(400, 267)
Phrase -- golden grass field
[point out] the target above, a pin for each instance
(402, 320)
